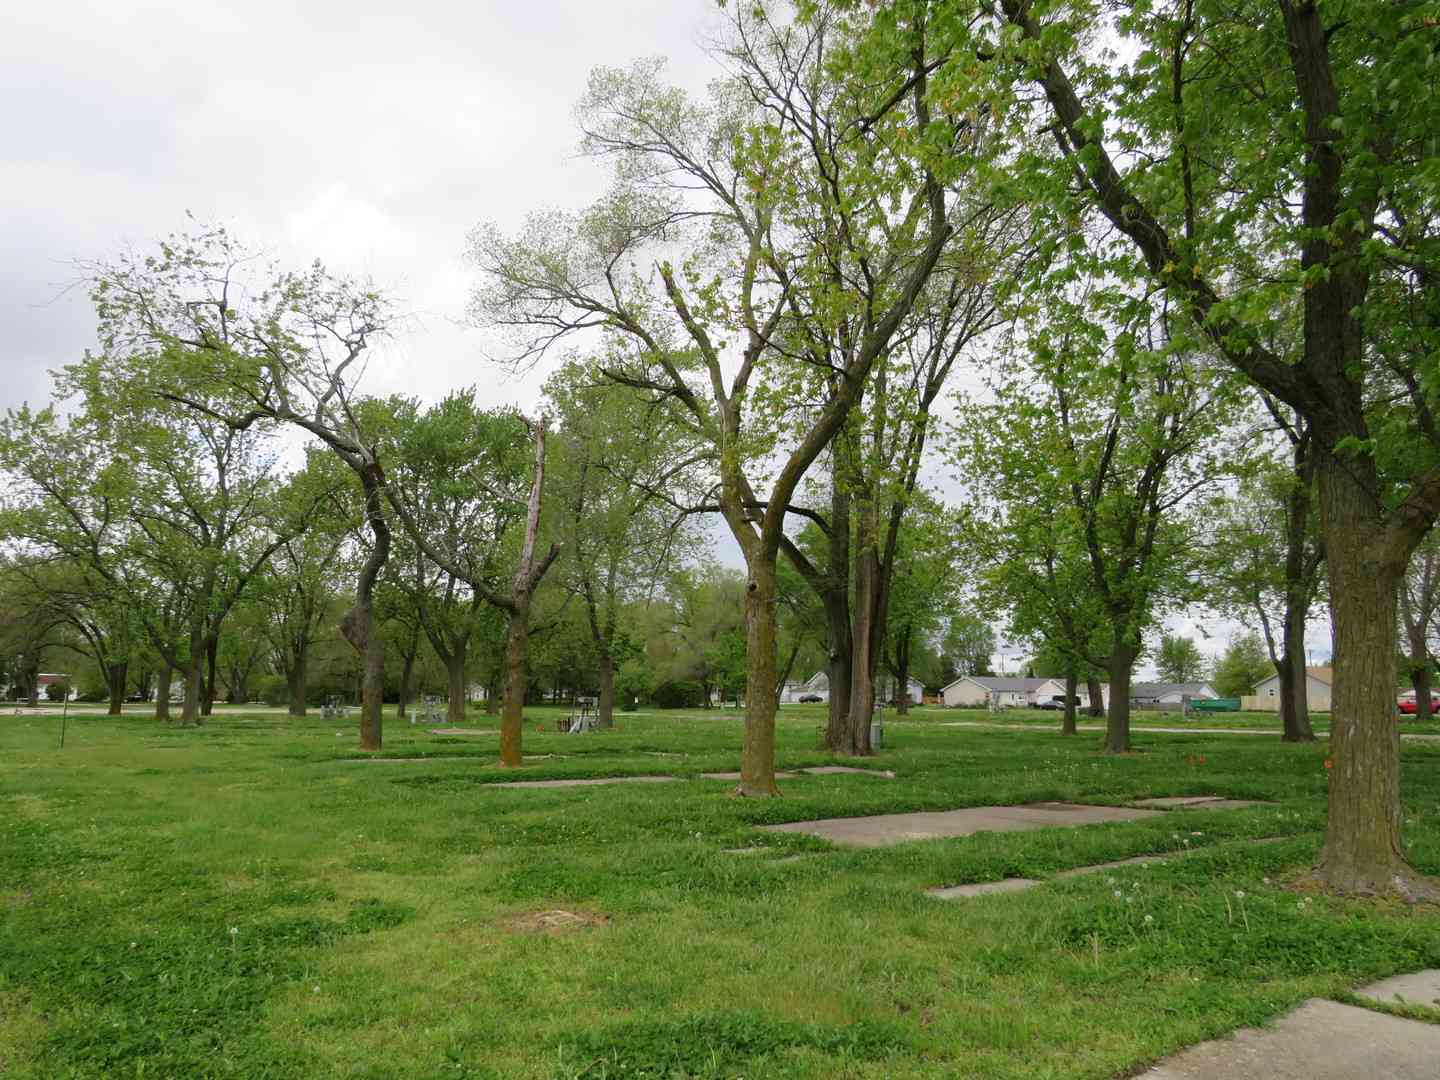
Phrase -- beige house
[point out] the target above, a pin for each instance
(1267, 693)
(973, 691)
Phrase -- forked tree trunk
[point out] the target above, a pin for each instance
(605, 707)
(1072, 685)
(1362, 853)
(118, 676)
(1095, 696)
(517, 641)
(757, 754)
(162, 691)
(1117, 716)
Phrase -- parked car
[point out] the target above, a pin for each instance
(1056, 702)
(1410, 706)
(810, 699)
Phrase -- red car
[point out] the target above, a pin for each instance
(1409, 705)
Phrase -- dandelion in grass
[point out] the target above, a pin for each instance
(1149, 919)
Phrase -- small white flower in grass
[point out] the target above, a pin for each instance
(1197, 834)
(315, 990)
(1149, 919)
(234, 930)
(1265, 881)
(1118, 894)
(134, 944)
(1239, 894)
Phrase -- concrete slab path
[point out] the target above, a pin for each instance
(887, 829)
(845, 770)
(1417, 988)
(1320, 1040)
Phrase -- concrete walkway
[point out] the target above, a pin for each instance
(886, 829)
(1320, 1040)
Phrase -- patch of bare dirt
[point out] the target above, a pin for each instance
(553, 922)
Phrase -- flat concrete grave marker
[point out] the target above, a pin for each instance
(586, 782)
(1417, 988)
(1318, 1041)
(736, 775)
(841, 770)
(1199, 802)
(459, 731)
(982, 888)
(887, 829)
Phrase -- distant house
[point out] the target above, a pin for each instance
(1317, 691)
(885, 690)
(818, 685)
(974, 691)
(1169, 693)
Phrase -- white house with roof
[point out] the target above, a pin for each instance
(1317, 691)
(974, 691)
(1168, 693)
(818, 685)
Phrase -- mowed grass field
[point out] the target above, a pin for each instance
(253, 899)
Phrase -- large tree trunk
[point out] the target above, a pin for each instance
(757, 756)
(118, 677)
(864, 631)
(455, 675)
(207, 696)
(1095, 696)
(836, 599)
(1294, 681)
(605, 707)
(512, 719)
(1117, 716)
(492, 695)
(358, 625)
(902, 672)
(296, 680)
(1072, 684)
(162, 691)
(1419, 665)
(190, 709)
(407, 671)
(1362, 851)
(1294, 698)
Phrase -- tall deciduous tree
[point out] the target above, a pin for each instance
(1179, 660)
(1255, 162)
(1263, 567)
(202, 324)
(735, 187)
(628, 464)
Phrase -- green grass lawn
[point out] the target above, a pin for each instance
(251, 900)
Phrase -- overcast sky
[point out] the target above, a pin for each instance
(370, 136)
